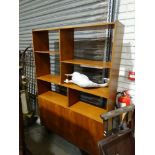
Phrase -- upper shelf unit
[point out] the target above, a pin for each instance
(66, 57)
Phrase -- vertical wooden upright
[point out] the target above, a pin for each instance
(66, 46)
(117, 43)
(73, 96)
(42, 60)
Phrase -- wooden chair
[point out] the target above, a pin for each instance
(118, 141)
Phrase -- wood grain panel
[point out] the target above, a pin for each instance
(88, 110)
(50, 78)
(55, 98)
(117, 42)
(66, 44)
(80, 107)
(42, 62)
(73, 96)
(43, 86)
(76, 128)
(40, 41)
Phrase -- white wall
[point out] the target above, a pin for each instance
(125, 13)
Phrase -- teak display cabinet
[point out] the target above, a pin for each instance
(76, 121)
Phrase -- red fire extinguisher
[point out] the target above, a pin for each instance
(123, 99)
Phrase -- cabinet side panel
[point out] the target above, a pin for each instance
(66, 44)
(40, 41)
(115, 61)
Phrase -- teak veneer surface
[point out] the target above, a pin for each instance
(72, 124)
(88, 110)
(73, 96)
(105, 25)
(89, 63)
(55, 98)
(42, 62)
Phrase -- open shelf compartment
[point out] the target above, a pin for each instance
(75, 96)
(102, 92)
(50, 78)
(88, 110)
(80, 107)
(84, 108)
(55, 98)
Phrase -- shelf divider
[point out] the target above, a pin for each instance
(73, 96)
(66, 46)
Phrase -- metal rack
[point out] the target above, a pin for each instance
(27, 62)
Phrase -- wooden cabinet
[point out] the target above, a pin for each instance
(66, 115)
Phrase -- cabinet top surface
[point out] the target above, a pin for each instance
(101, 24)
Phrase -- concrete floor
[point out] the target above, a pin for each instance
(41, 142)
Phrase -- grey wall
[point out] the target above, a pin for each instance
(53, 13)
